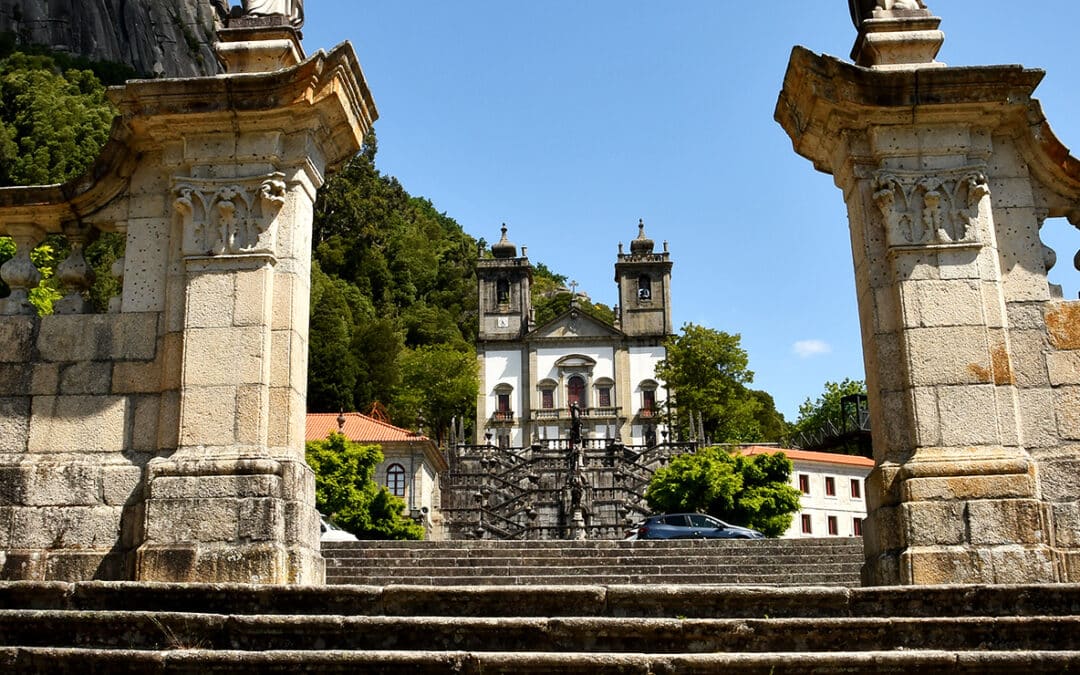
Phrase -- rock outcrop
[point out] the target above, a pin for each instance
(159, 38)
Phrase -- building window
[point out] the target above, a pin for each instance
(648, 402)
(830, 486)
(804, 483)
(603, 397)
(395, 480)
(547, 399)
(644, 287)
(806, 528)
(502, 292)
(504, 403)
(856, 489)
(575, 391)
(856, 526)
(834, 529)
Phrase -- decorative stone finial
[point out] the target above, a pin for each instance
(504, 248)
(895, 34)
(642, 245)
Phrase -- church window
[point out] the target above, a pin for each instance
(603, 387)
(644, 287)
(648, 402)
(504, 403)
(547, 399)
(575, 391)
(395, 480)
(502, 291)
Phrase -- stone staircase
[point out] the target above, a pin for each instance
(788, 562)
(104, 627)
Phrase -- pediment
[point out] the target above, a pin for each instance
(574, 324)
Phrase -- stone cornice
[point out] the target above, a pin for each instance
(823, 97)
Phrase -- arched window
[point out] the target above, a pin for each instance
(644, 287)
(603, 386)
(502, 291)
(547, 393)
(575, 391)
(395, 480)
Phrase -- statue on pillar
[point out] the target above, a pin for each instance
(864, 9)
(293, 10)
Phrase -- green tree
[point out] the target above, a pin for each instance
(822, 418)
(707, 370)
(746, 490)
(438, 382)
(345, 490)
(771, 423)
(52, 124)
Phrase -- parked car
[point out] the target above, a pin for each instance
(692, 526)
(331, 532)
(631, 533)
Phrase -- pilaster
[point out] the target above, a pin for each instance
(920, 152)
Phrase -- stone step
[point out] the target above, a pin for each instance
(514, 569)
(842, 580)
(361, 561)
(653, 601)
(600, 545)
(157, 631)
(199, 661)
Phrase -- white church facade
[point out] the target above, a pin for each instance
(531, 376)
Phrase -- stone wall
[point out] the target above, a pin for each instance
(164, 440)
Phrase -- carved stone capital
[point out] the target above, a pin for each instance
(235, 216)
(935, 210)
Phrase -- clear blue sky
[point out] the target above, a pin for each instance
(571, 119)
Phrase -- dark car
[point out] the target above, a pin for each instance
(692, 526)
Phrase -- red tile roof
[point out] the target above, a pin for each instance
(808, 456)
(359, 428)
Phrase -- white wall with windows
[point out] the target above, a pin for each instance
(832, 492)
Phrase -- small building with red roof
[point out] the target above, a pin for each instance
(411, 461)
(833, 491)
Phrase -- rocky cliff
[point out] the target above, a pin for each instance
(169, 38)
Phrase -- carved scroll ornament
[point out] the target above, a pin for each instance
(931, 211)
(229, 217)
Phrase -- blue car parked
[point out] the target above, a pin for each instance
(692, 526)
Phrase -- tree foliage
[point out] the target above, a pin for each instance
(708, 373)
(393, 301)
(817, 418)
(52, 123)
(746, 490)
(345, 490)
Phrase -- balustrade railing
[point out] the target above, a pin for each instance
(74, 275)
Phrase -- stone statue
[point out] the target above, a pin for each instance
(863, 9)
(293, 9)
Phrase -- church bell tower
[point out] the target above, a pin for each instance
(644, 279)
(504, 284)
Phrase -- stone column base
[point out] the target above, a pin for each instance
(230, 520)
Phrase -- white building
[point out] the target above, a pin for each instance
(833, 492)
(411, 463)
(530, 375)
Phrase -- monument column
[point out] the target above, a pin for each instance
(235, 501)
(926, 158)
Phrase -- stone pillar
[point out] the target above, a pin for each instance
(236, 502)
(932, 161)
